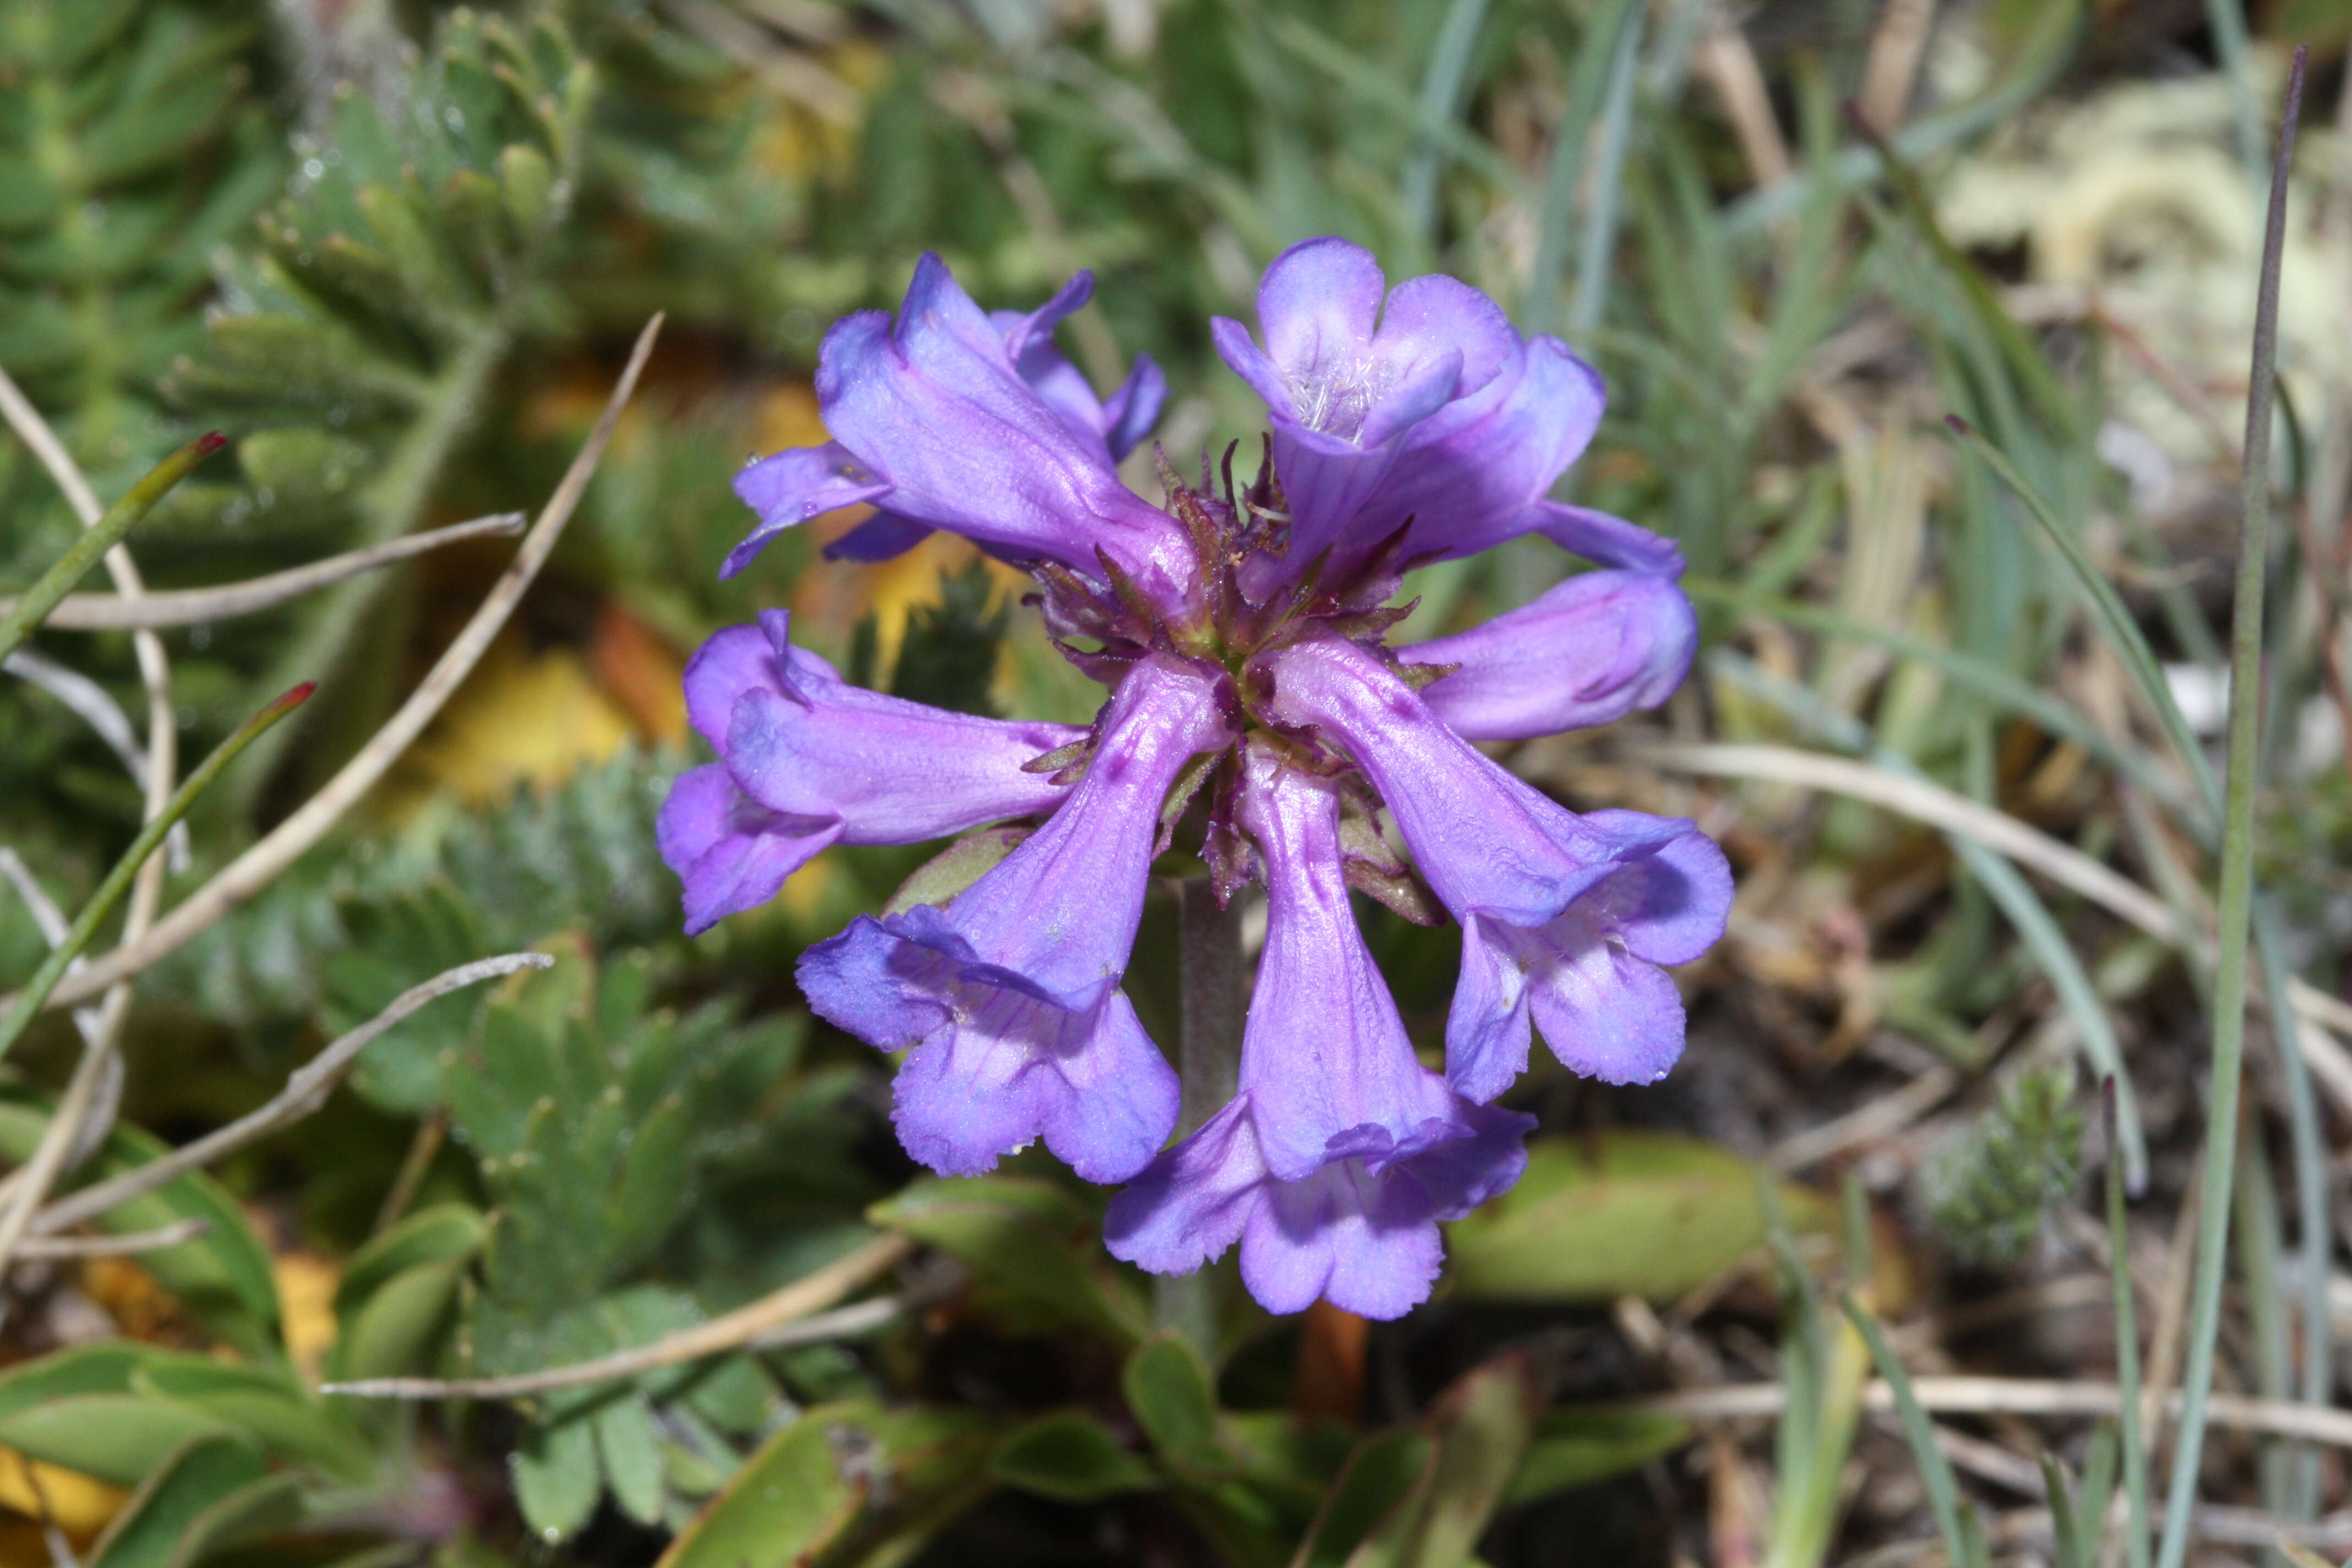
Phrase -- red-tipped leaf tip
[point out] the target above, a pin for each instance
(295, 697)
(1959, 424)
(209, 443)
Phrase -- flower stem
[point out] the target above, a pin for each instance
(1208, 1061)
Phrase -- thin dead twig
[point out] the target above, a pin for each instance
(190, 606)
(129, 1243)
(761, 1319)
(260, 865)
(305, 1091)
(85, 1113)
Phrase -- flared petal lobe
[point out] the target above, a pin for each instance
(807, 760)
(948, 419)
(1586, 652)
(1543, 894)
(1341, 1152)
(1360, 1232)
(1425, 411)
(1009, 996)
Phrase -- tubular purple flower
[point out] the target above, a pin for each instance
(1430, 411)
(953, 420)
(1541, 893)
(807, 760)
(1341, 1152)
(1588, 651)
(1009, 996)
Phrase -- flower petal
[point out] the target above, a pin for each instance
(1366, 1243)
(885, 536)
(795, 484)
(1011, 993)
(940, 406)
(1483, 839)
(1588, 651)
(1324, 1054)
(731, 853)
(1190, 1204)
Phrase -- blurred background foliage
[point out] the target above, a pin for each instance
(397, 253)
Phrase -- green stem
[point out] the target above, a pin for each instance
(1209, 972)
(2237, 864)
(2128, 1380)
(117, 882)
(90, 548)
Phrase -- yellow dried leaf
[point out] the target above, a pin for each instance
(305, 1296)
(81, 1504)
(520, 718)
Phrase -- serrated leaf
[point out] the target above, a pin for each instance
(528, 181)
(1624, 1213)
(1069, 1457)
(193, 1478)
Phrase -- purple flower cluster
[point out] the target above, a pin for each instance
(1241, 633)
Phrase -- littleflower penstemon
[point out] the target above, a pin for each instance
(1242, 634)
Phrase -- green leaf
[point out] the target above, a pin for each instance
(223, 1277)
(632, 1453)
(118, 1437)
(195, 1477)
(844, 1483)
(1031, 1250)
(955, 867)
(1382, 1475)
(443, 1233)
(1175, 1398)
(1070, 1456)
(389, 1332)
(556, 1478)
(1478, 1433)
(1577, 1448)
(1627, 1212)
(284, 1418)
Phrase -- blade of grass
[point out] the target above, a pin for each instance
(2099, 1489)
(1378, 90)
(2227, 19)
(2314, 1198)
(2130, 643)
(2137, 1532)
(1588, 84)
(1613, 134)
(2007, 887)
(2045, 55)
(110, 892)
(2237, 881)
(1934, 1470)
(1990, 681)
(1441, 100)
(2065, 1529)
(34, 606)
